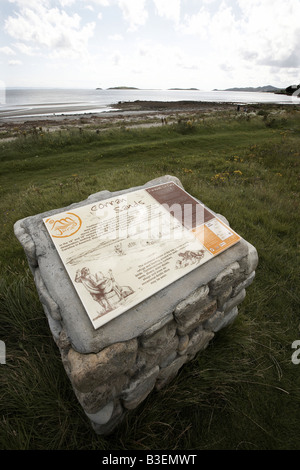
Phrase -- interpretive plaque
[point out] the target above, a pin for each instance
(120, 251)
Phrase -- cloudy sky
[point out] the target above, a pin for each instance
(204, 44)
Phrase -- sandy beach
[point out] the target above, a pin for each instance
(143, 113)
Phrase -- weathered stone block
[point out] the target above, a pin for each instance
(234, 301)
(168, 359)
(225, 278)
(105, 393)
(183, 344)
(186, 325)
(115, 419)
(221, 320)
(199, 341)
(244, 284)
(249, 263)
(169, 373)
(214, 323)
(186, 308)
(139, 389)
(159, 339)
(223, 296)
(89, 370)
(155, 328)
(46, 300)
(102, 416)
(156, 348)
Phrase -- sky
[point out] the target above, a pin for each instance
(149, 44)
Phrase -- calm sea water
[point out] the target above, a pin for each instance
(24, 102)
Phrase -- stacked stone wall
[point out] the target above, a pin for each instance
(121, 376)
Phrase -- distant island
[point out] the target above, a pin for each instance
(119, 88)
(123, 88)
(186, 89)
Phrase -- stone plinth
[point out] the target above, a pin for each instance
(114, 368)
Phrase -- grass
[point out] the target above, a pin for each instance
(243, 391)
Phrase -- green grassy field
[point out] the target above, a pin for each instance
(243, 391)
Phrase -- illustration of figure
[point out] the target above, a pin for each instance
(103, 289)
(119, 250)
(91, 284)
(110, 284)
(189, 257)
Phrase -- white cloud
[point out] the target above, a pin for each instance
(256, 35)
(168, 9)
(66, 3)
(52, 29)
(117, 56)
(225, 30)
(115, 37)
(272, 31)
(102, 3)
(159, 57)
(134, 12)
(24, 49)
(30, 3)
(14, 62)
(7, 50)
(197, 24)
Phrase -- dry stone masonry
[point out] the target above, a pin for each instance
(114, 368)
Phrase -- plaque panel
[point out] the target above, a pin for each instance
(120, 251)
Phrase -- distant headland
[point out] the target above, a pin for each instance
(267, 89)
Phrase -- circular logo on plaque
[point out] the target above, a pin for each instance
(65, 226)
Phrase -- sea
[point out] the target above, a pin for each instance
(39, 102)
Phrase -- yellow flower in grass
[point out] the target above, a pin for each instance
(238, 172)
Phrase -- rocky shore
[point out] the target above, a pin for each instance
(124, 113)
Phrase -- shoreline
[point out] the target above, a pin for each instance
(126, 111)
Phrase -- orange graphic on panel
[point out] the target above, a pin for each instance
(64, 227)
(212, 242)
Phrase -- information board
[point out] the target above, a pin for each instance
(120, 251)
